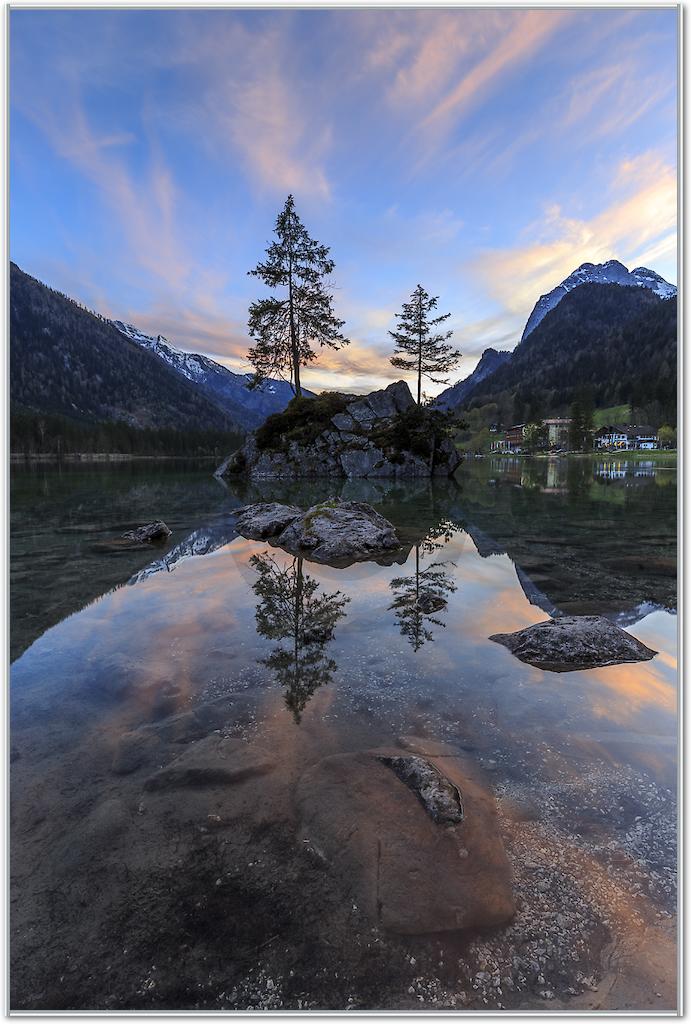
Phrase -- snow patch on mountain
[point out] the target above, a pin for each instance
(611, 272)
(229, 390)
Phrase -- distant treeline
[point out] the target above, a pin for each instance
(38, 434)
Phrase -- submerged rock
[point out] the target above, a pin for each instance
(380, 819)
(212, 761)
(431, 603)
(156, 531)
(133, 750)
(573, 642)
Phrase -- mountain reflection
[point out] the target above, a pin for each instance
(291, 610)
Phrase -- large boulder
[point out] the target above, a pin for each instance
(360, 441)
(416, 834)
(573, 642)
(334, 531)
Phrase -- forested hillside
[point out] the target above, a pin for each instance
(617, 343)
(65, 360)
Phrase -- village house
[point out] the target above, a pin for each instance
(557, 432)
(626, 438)
(511, 441)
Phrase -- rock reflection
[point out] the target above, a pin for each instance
(291, 610)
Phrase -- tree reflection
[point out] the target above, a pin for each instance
(290, 610)
(422, 595)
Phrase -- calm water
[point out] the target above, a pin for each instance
(125, 898)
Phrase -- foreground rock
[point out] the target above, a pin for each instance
(380, 435)
(156, 531)
(333, 531)
(415, 833)
(573, 642)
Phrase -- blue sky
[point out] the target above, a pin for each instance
(484, 153)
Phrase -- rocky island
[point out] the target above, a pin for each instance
(381, 435)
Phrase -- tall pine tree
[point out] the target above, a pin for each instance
(284, 328)
(424, 351)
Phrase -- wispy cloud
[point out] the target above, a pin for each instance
(528, 31)
(142, 207)
(256, 103)
(641, 218)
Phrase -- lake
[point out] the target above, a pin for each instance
(128, 893)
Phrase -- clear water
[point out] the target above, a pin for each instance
(108, 642)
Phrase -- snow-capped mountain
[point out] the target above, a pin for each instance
(456, 395)
(227, 389)
(611, 272)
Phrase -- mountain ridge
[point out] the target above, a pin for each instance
(619, 343)
(454, 396)
(220, 384)
(610, 272)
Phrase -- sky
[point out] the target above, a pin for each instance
(483, 153)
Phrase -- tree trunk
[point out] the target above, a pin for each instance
(419, 357)
(293, 338)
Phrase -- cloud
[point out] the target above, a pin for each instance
(253, 99)
(642, 219)
(528, 31)
(611, 98)
(142, 207)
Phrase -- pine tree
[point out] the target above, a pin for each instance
(425, 352)
(285, 328)
(576, 426)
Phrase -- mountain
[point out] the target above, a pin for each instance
(456, 395)
(69, 361)
(225, 388)
(619, 343)
(611, 272)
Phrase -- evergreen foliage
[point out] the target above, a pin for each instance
(418, 347)
(285, 329)
(34, 433)
(302, 420)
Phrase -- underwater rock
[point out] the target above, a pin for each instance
(573, 642)
(133, 750)
(431, 603)
(212, 761)
(411, 873)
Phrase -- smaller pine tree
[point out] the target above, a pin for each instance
(418, 347)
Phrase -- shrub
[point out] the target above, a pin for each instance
(302, 420)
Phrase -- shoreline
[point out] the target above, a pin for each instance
(634, 454)
(16, 458)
